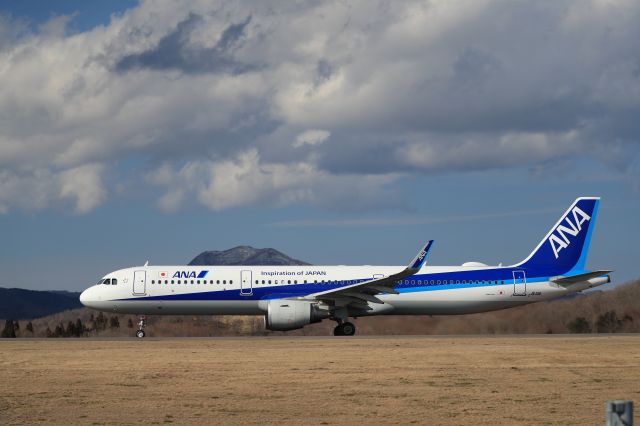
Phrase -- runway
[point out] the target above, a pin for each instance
(318, 380)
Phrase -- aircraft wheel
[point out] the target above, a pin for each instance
(140, 333)
(338, 330)
(348, 329)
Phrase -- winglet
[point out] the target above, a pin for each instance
(421, 258)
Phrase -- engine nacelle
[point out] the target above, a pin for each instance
(284, 315)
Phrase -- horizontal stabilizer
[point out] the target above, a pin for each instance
(579, 278)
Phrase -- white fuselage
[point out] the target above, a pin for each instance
(245, 290)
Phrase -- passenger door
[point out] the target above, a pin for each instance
(139, 282)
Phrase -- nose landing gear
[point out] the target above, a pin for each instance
(141, 324)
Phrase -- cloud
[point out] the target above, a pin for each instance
(42, 188)
(247, 180)
(206, 99)
(176, 51)
(84, 185)
(311, 137)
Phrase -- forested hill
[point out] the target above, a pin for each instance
(18, 303)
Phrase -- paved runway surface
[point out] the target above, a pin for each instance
(318, 380)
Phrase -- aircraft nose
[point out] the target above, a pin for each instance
(85, 297)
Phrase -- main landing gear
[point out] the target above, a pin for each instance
(141, 325)
(344, 329)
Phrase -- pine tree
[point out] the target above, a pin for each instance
(79, 329)
(101, 322)
(114, 322)
(71, 329)
(30, 327)
(59, 331)
(9, 329)
(48, 332)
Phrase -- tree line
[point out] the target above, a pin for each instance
(76, 328)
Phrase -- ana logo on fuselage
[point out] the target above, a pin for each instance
(559, 239)
(190, 274)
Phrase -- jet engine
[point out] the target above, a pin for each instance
(284, 315)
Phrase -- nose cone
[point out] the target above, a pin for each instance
(85, 297)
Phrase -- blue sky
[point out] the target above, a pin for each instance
(338, 133)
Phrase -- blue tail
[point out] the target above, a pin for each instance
(566, 245)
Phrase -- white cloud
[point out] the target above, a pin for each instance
(216, 93)
(311, 137)
(246, 180)
(84, 185)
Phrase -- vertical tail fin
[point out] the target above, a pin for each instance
(566, 245)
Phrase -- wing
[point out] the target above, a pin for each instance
(361, 293)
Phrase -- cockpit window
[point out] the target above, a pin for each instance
(107, 281)
(114, 281)
(100, 282)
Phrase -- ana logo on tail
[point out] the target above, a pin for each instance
(559, 239)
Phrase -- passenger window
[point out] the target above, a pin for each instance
(256, 281)
(262, 281)
(295, 281)
(438, 282)
(431, 282)
(217, 281)
(224, 281)
(153, 282)
(172, 282)
(269, 281)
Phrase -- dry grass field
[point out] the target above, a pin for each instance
(264, 380)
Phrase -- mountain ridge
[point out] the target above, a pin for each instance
(245, 255)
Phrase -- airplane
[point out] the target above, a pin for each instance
(291, 297)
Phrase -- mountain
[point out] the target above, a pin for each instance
(245, 255)
(17, 303)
